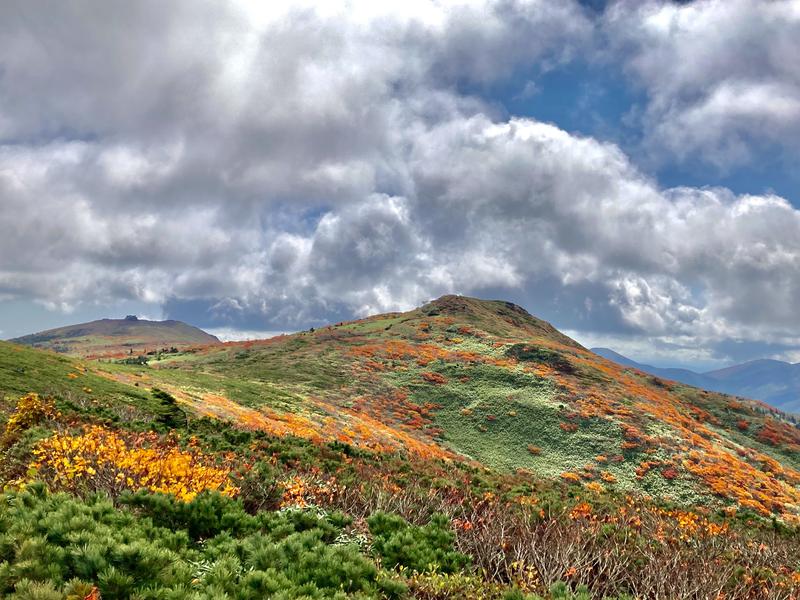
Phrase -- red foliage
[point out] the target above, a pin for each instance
(776, 433)
(669, 473)
(434, 378)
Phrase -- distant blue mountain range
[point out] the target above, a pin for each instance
(773, 381)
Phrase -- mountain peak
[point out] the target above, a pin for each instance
(498, 317)
(452, 304)
(110, 338)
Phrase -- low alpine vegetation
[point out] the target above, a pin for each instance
(462, 451)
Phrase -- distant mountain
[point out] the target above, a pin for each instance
(772, 381)
(683, 375)
(108, 338)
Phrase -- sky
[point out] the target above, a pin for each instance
(625, 170)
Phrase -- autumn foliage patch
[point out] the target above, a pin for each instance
(434, 378)
(100, 459)
(31, 410)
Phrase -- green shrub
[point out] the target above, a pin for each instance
(460, 586)
(421, 549)
(168, 413)
(56, 546)
(207, 515)
(530, 353)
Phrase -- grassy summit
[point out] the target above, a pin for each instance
(485, 381)
(542, 459)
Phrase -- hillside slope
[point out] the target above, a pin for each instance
(486, 381)
(118, 337)
(461, 450)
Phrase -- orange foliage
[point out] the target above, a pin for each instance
(423, 354)
(645, 467)
(693, 525)
(301, 492)
(595, 487)
(581, 511)
(217, 406)
(607, 477)
(747, 477)
(395, 409)
(434, 378)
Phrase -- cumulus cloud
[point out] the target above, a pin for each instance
(159, 151)
(226, 334)
(279, 167)
(721, 78)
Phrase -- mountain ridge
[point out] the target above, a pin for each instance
(488, 382)
(115, 338)
(772, 381)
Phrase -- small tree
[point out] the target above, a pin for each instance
(168, 413)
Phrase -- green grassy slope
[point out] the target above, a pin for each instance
(485, 381)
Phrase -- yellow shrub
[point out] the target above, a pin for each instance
(595, 487)
(31, 410)
(104, 460)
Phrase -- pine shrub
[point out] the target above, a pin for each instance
(54, 546)
(421, 549)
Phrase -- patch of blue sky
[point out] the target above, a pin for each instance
(594, 98)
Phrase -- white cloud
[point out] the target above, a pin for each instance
(662, 351)
(792, 356)
(289, 165)
(227, 334)
(721, 78)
